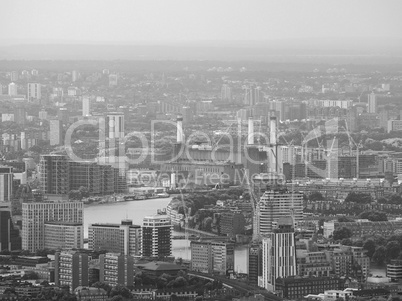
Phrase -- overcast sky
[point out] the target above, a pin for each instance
(195, 20)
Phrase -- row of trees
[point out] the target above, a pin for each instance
(379, 249)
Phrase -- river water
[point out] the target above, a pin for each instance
(136, 211)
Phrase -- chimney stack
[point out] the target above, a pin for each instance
(180, 134)
(250, 131)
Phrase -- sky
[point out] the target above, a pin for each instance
(149, 21)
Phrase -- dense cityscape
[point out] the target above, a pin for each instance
(228, 171)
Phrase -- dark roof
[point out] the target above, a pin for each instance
(162, 266)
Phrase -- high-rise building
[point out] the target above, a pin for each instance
(157, 236)
(114, 123)
(279, 253)
(112, 79)
(86, 106)
(275, 204)
(372, 103)
(64, 235)
(115, 268)
(71, 269)
(123, 239)
(226, 93)
(54, 174)
(34, 91)
(12, 89)
(201, 257)
(35, 215)
(74, 75)
(9, 235)
(63, 115)
(252, 95)
(56, 132)
(254, 264)
(6, 183)
(14, 76)
(20, 115)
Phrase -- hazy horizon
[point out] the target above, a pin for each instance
(133, 21)
(198, 29)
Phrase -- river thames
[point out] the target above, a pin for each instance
(136, 210)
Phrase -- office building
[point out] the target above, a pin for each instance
(276, 204)
(35, 215)
(157, 236)
(9, 235)
(71, 269)
(86, 106)
(56, 132)
(297, 288)
(64, 235)
(12, 89)
(254, 264)
(54, 174)
(394, 126)
(123, 239)
(115, 268)
(212, 257)
(6, 183)
(279, 254)
(231, 223)
(34, 92)
(372, 103)
(313, 264)
(85, 174)
(201, 257)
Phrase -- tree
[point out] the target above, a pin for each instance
(380, 255)
(316, 196)
(103, 285)
(75, 195)
(392, 249)
(343, 218)
(120, 290)
(370, 246)
(374, 215)
(342, 233)
(84, 191)
(360, 198)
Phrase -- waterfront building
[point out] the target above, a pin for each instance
(212, 257)
(54, 174)
(123, 239)
(34, 216)
(63, 235)
(157, 236)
